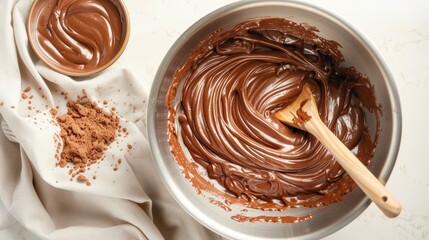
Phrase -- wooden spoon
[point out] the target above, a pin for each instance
(303, 114)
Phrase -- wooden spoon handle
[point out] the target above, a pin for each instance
(373, 188)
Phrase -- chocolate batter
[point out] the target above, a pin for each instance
(234, 82)
(80, 34)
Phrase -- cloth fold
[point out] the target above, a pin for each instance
(129, 202)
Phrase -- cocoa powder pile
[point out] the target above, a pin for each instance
(86, 132)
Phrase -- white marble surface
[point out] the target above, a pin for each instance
(400, 29)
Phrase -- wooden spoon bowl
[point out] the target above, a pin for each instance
(303, 114)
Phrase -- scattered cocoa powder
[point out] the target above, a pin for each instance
(86, 131)
(116, 166)
(82, 178)
(53, 111)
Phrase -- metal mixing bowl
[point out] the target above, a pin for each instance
(358, 52)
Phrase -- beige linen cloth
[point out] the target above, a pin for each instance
(130, 203)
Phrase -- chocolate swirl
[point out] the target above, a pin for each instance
(235, 82)
(80, 34)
